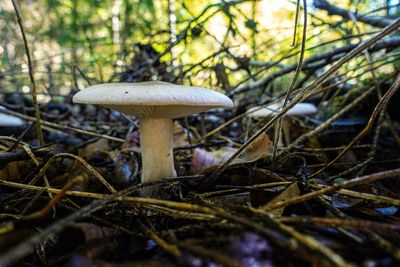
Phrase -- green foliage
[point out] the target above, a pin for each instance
(98, 35)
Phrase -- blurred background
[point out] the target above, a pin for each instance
(217, 44)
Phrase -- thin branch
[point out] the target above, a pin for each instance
(326, 57)
(294, 80)
(32, 79)
(335, 187)
(380, 107)
(334, 10)
(303, 95)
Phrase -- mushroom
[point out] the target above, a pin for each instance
(300, 109)
(9, 120)
(155, 103)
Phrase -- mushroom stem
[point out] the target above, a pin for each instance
(156, 146)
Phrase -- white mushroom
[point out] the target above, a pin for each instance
(300, 109)
(155, 103)
(9, 120)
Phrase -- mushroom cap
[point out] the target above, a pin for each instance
(9, 120)
(300, 109)
(153, 99)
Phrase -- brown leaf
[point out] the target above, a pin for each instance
(181, 135)
(290, 192)
(203, 160)
(98, 146)
(259, 149)
(89, 240)
(222, 76)
(16, 170)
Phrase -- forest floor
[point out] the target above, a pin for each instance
(77, 198)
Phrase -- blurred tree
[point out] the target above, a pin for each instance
(82, 41)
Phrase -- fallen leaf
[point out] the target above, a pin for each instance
(16, 170)
(290, 192)
(98, 146)
(222, 76)
(258, 149)
(181, 135)
(203, 159)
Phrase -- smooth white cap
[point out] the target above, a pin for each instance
(300, 109)
(9, 120)
(153, 99)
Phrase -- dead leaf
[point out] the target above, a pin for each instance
(259, 149)
(16, 170)
(181, 135)
(132, 142)
(98, 146)
(290, 192)
(222, 76)
(203, 160)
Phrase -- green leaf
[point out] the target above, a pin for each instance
(147, 4)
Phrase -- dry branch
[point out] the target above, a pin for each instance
(380, 22)
(310, 63)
